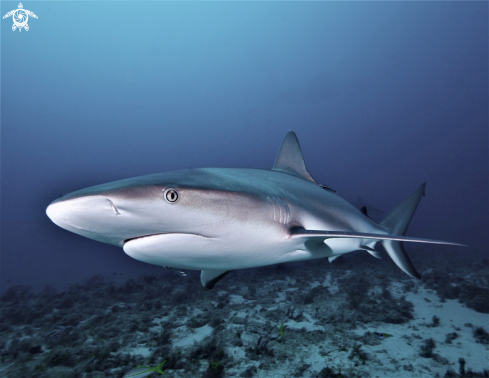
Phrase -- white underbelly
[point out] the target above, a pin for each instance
(189, 251)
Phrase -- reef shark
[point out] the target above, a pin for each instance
(221, 219)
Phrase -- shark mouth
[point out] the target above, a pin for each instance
(142, 237)
(162, 233)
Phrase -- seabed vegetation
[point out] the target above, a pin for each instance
(357, 317)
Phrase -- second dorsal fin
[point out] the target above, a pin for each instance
(290, 160)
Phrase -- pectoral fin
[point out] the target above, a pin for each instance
(209, 278)
(333, 258)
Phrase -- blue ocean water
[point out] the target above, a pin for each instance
(383, 96)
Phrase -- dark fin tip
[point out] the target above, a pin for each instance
(211, 283)
(424, 189)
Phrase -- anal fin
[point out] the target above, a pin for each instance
(373, 252)
(370, 248)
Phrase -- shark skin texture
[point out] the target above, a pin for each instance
(222, 219)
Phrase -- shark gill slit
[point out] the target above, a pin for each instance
(270, 201)
(281, 211)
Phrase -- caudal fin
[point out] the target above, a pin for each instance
(397, 222)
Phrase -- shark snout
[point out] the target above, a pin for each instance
(55, 212)
(90, 216)
(76, 212)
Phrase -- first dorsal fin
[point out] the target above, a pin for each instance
(289, 158)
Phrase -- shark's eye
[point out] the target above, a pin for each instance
(171, 195)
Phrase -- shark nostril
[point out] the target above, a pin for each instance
(113, 207)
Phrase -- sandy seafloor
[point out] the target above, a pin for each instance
(103, 328)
